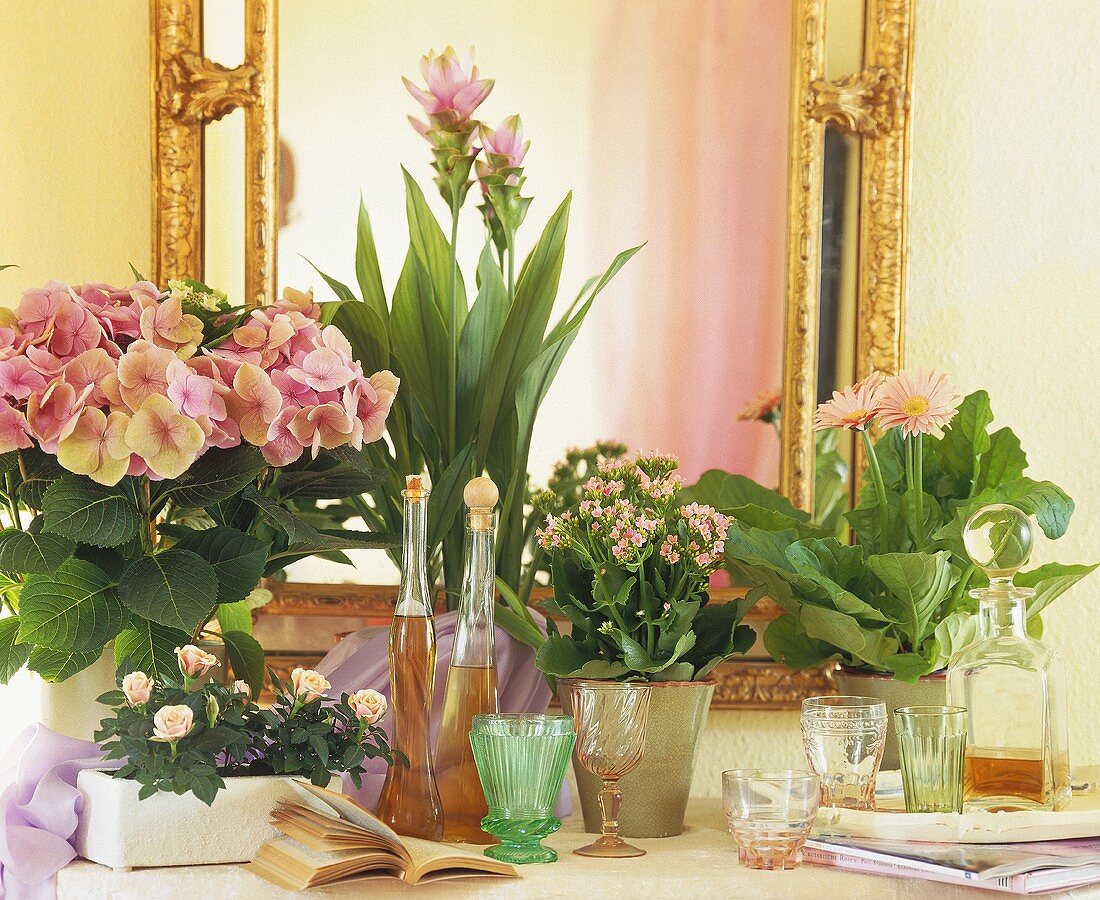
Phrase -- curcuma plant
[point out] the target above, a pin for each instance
(476, 373)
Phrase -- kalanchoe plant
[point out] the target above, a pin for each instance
(154, 447)
(897, 599)
(477, 372)
(178, 738)
(630, 569)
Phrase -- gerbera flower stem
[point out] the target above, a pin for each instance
(878, 483)
(918, 483)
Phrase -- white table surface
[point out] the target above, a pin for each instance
(702, 862)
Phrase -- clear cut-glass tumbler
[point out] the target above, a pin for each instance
(521, 759)
(844, 738)
(770, 814)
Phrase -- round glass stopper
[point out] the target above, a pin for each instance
(998, 539)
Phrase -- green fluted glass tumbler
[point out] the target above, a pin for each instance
(932, 747)
(521, 760)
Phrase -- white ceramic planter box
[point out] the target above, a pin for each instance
(118, 830)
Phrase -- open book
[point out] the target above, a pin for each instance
(338, 839)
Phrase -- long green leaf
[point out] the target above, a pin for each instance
(369, 275)
(367, 334)
(521, 338)
(446, 497)
(246, 656)
(420, 344)
(479, 339)
(433, 251)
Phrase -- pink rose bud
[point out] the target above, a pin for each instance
(369, 706)
(308, 684)
(137, 686)
(240, 686)
(171, 723)
(195, 662)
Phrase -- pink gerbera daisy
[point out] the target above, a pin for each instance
(853, 408)
(921, 403)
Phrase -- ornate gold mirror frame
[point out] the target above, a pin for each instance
(189, 90)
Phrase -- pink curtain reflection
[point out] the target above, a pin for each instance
(691, 136)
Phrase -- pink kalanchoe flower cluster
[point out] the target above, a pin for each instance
(699, 540)
(116, 381)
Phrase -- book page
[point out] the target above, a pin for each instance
(429, 858)
(350, 811)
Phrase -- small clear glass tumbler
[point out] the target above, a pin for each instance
(844, 738)
(521, 759)
(932, 746)
(770, 814)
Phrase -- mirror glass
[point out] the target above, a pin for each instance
(669, 122)
(839, 291)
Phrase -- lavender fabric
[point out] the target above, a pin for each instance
(361, 661)
(39, 809)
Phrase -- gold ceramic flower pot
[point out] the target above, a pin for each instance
(655, 795)
(931, 690)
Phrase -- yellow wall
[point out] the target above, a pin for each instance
(1004, 272)
(74, 141)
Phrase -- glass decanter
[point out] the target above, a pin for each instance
(1012, 685)
(472, 675)
(410, 800)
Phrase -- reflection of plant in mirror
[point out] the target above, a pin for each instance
(830, 467)
(476, 374)
(897, 600)
(631, 566)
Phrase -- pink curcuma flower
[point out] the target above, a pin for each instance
(854, 408)
(254, 403)
(921, 403)
(164, 438)
(454, 89)
(97, 446)
(505, 147)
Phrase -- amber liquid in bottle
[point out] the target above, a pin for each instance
(471, 690)
(410, 800)
(1005, 773)
(471, 677)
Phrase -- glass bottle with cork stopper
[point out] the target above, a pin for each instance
(1012, 685)
(472, 675)
(410, 799)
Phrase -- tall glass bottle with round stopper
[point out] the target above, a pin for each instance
(410, 800)
(472, 675)
(1012, 685)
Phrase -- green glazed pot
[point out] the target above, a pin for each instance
(655, 795)
(930, 690)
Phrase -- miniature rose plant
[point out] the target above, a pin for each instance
(896, 600)
(154, 444)
(630, 567)
(174, 737)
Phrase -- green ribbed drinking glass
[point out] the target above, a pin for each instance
(932, 747)
(521, 759)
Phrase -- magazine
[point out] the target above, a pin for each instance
(1023, 868)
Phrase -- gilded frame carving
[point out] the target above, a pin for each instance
(189, 90)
